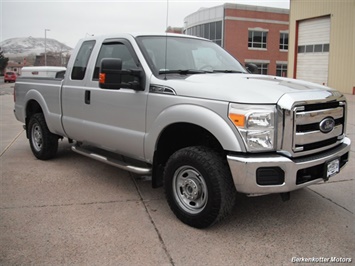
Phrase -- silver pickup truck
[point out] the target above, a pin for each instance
(184, 111)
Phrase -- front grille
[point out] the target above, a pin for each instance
(308, 135)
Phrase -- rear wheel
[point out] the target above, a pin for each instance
(198, 186)
(44, 144)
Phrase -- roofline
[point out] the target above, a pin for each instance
(257, 8)
(244, 7)
(142, 34)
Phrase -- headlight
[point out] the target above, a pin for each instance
(256, 123)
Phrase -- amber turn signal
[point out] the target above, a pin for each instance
(238, 120)
(102, 78)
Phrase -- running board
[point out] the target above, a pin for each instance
(112, 161)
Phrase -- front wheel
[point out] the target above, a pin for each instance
(44, 144)
(198, 186)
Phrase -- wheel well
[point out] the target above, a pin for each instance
(32, 108)
(176, 137)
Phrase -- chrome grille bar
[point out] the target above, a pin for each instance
(316, 116)
(316, 136)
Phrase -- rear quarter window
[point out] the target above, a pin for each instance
(81, 60)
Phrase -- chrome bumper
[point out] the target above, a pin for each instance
(244, 169)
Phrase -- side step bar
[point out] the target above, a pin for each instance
(112, 161)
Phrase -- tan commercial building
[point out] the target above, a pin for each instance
(322, 42)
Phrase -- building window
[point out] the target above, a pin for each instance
(326, 47)
(262, 68)
(211, 31)
(262, 65)
(313, 48)
(309, 48)
(283, 41)
(281, 70)
(257, 39)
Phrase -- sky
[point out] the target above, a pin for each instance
(68, 21)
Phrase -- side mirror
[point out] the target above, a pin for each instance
(252, 68)
(111, 75)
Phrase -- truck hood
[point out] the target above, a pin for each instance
(242, 88)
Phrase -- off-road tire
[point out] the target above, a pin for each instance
(198, 186)
(44, 144)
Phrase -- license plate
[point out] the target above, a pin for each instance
(332, 167)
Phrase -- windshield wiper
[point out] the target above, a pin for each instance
(227, 71)
(183, 71)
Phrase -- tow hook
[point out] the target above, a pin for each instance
(285, 196)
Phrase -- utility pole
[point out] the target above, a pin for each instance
(45, 46)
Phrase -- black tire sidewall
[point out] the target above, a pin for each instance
(50, 141)
(210, 166)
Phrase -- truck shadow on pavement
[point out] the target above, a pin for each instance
(263, 212)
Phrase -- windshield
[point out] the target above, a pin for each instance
(186, 56)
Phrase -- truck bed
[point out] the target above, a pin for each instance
(46, 91)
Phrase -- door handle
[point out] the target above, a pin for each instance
(87, 97)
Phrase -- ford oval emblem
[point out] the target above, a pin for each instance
(327, 125)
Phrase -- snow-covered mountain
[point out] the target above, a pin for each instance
(22, 47)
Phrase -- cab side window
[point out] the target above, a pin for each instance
(81, 60)
(116, 50)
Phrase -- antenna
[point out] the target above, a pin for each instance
(166, 35)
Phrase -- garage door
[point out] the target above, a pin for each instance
(313, 50)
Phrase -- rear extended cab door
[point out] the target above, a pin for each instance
(112, 119)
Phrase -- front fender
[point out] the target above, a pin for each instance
(201, 116)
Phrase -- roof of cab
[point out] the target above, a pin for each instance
(140, 34)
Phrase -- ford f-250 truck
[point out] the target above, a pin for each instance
(184, 111)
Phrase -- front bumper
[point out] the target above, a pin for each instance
(244, 169)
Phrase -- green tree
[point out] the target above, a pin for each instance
(3, 61)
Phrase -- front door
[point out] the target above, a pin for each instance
(114, 119)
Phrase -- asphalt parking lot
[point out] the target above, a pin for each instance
(73, 210)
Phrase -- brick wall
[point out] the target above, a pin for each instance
(237, 23)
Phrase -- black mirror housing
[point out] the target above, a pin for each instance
(111, 72)
(110, 76)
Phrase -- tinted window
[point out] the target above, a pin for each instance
(81, 60)
(309, 48)
(212, 31)
(207, 31)
(219, 30)
(326, 47)
(318, 48)
(301, 48)
(116, 50)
